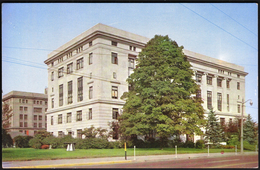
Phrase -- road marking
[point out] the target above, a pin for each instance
(75, 164)
(224, 160)
(221, 166)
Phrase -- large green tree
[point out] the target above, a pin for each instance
(160, 97)
(214, 132)
(250, 133)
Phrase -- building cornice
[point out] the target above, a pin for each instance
(96, 34)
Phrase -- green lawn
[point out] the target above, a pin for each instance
(22, 154)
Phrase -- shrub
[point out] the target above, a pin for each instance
(22, 141)
(35, 143)
(200, 144)
(7, 141)
(247, 146)
(227, 147)
(55, 142)
(115, 145)
(188, 144)
(45, 147)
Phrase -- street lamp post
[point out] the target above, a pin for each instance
(241, 139)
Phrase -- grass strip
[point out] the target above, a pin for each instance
(26, 154)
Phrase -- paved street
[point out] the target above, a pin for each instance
(247, 161)
(213, 160)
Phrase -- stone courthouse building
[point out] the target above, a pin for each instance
(87, 76)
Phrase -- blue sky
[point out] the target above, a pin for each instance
(30, 31)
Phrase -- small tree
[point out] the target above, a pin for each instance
(249, 131)
(214, 131)
(93, 132)
(6, 115)
(7, 140)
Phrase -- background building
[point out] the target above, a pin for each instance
(28, 112)
(87, 76)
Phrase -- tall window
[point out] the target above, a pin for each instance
(40, 117)
(219, 101)
(51, 120)
(198, 94)
(61, 95)
(80, 63)
(52, 103)
(21, 116)
(25, 117)
(228, 102)
(90, 58)
(70, 92)
(114, 75)
(35, 125)
(198, 78)
(60, 72)
(70, 68)
(131, 66)
(80, 89)
(21, 124)
(238, 108)
(90, 92)
(114, 92)
(40, 125)
(228, 83)
(115, 113)
(209, 99)
(219, 82)
(25, 124)
(60, 119)
(90, 43)
(238, 86)
(90, 114)
(79, 133)
(52, 76)
(68, 117)
(34, 117)
(79, 115)
(114, 58)
(209, 80)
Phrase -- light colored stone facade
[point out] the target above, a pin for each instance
(97, 48)
(28, 111)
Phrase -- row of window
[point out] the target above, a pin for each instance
(219, 81)
(35, 109)
(34, 101)
(35, 125)
(219, 101)
(80, 92)
(115, 114)
(25, 117)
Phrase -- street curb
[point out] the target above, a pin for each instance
(75, 164)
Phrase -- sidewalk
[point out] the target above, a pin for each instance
(108, 160)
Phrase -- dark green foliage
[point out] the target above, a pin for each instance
(116, 145)
(200, 144)
(93, 132)
(248, 146)
(7, 141)
(92, 143)
(214, 132)
(188, 144)
(35, 143)
(160, 97)
(55, 142)
(234, 140)
(249, 131)
(22, 141)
